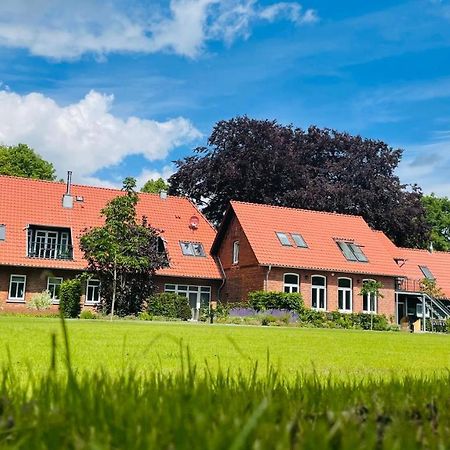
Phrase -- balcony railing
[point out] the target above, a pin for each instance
(407, 285)
(38, 250)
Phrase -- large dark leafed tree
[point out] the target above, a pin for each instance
(264, 162)
(123, 254)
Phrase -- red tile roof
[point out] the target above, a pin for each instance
(320, 230)
(24, 201)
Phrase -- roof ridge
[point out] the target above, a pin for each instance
(424, 250)
(298, 209)
(90, 186)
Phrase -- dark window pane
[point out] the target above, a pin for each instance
(318, 281)
(291, 279)
(347, 251)
(426, 272)
(360, 256)
(340, 299)
(345, 283)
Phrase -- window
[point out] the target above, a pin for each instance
(235, 252)
(192, 249)
(318, 292)
(53, 286)
(17, 288)
(427, 272)
(299, 241)
(352, 252)
(198, 296)
(2, 232)
(284, 239)
(291, 283)
(49, 243)
(92, 292)
(369, 301)
(345, 294)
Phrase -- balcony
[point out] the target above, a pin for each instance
(407, 285)
(50, 251)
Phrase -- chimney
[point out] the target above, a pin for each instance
(67, 200)
(162, 195)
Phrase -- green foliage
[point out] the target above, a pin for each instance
(431, 288)
(70, 298)
(308, 169)
(372, 287)
(123, 254)
(155, 186)
(438, 216)
(22, 161)
(167, 304)
(40, 301)
(262, 300)
(88, 314)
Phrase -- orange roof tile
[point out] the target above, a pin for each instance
(35, 202)
(320, 230)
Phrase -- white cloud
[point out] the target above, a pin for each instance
(148, 174)
(65, 30)
(85, 136)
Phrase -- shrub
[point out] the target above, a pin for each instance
(40, 301)
(70, 298)
(144, 315)
(262, 300)
(169, 305)
(88, 314)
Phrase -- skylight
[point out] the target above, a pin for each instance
(192, 249)
(427, 272)
(299, 241)
(352, 252)
(284, 239)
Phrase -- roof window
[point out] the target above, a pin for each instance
(192, 249)
(352, 252)
(286, 239)
(427, 272)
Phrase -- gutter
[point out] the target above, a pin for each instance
(224, 278)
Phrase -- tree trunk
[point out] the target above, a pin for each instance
(114, 289)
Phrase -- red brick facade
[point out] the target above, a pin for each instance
(248, 275)
(36, 282)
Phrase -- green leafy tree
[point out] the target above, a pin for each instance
(155, 186)
(431, 288)
(123, 254)
(262, 161)
(438, 216)
(23, 161)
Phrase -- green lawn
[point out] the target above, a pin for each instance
(146, 346)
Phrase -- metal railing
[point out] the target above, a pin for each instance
(407, 285)
(57, 251)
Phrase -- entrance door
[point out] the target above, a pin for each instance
(194, 302)
(401, 310)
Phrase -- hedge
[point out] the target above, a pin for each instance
(169, 305)
(70, 298)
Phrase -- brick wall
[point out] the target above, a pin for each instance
(386, 304)
(246, 275)
(36, 282)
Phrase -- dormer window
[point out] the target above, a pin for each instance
(192, 249)
(352, 251)
(49, 242)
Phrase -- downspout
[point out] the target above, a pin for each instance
(224, 279)
(267, 278)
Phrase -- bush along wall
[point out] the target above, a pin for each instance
(264, 300)
(169, 305)
(70, 298)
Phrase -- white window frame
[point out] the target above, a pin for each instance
(369, 296)
(290, 286)
(17, 299)
(236, 252)
(319, 288)
(190, 289)
(92, 302)
(55, 300)
(345, 290)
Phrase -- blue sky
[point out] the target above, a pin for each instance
(119, 88)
